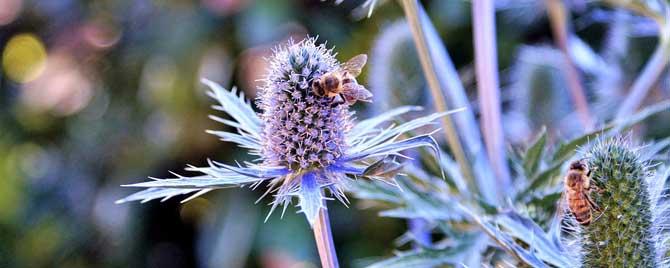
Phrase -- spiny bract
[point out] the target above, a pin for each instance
(305, 143)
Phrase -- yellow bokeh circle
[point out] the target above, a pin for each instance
(23, 58)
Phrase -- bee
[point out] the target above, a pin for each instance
(341, 84)
(578, 192)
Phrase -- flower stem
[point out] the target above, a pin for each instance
(324, 240)
(650, 74)
(412, 14)
(559, 26)
(486, 69)
(656, 64)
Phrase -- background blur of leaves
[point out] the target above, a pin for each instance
(94, 94)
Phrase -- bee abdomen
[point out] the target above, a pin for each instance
(581, 211)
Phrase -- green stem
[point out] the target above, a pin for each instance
(411, 13)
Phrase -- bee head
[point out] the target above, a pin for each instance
(578, 165)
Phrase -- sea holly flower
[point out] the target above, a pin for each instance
(305, 143)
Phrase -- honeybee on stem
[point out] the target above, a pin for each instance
(578, 192)
(341, 83)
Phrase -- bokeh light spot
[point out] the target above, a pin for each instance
(225, 7)
(62, 87)
(101, 34)
(23, 58)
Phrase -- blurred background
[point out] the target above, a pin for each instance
(95, 94)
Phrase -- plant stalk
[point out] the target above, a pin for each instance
(650, 74)
(411, 13)
(324, 240)
(486, 71)
(656, 64)
(558, 18)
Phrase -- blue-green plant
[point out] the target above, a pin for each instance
(516, 228)
(527, 230)
(462, 133)
(305, 143)
(474, 227)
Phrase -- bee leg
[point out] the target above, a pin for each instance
(592, 204)
(597, 189)
(600, 214)
(337, 100)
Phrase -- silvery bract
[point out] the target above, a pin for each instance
(304, 142)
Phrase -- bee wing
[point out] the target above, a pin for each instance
(355, 92)
(562, 206)
(355, 64)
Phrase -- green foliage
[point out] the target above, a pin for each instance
(526, 231)
(531, 161)
(428, 257)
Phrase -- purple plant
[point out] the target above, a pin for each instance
(305, 143)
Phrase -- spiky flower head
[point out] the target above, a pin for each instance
(629, 228)
(306, 144)
(301, 130)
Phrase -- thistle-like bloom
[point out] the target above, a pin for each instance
(305, 143)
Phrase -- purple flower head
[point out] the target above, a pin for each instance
(305, 143)
(293, 112)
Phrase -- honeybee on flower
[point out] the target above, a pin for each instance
(305, 143)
